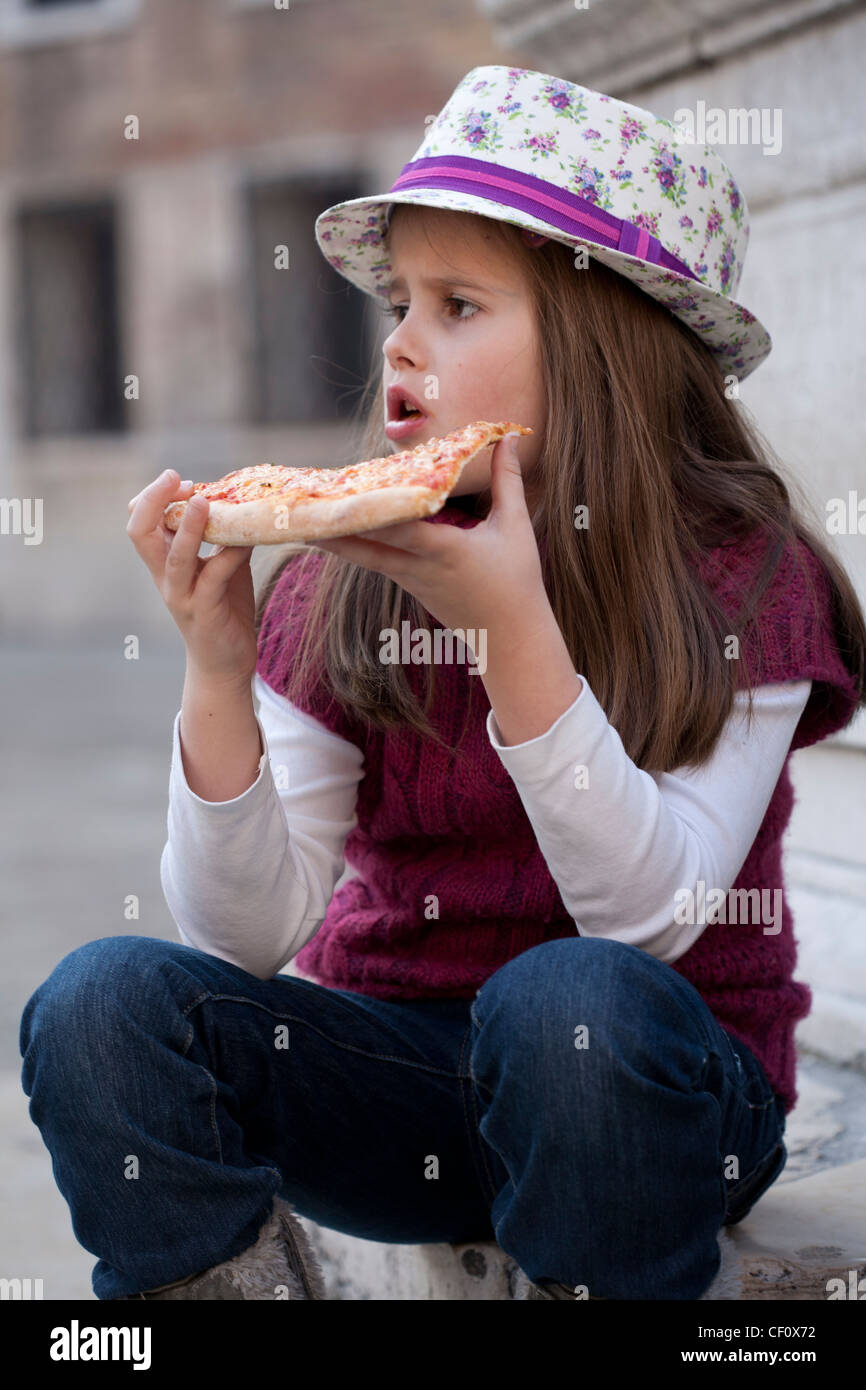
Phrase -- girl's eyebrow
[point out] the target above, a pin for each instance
(444, 281)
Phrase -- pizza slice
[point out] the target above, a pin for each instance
(269, 504)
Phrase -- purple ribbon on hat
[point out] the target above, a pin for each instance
(556, 206)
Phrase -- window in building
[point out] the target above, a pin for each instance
(35, 23)
(312, 328)
(67, 320)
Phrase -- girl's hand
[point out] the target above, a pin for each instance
(481, 577)
(212, 601)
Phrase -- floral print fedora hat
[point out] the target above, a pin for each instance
(572, 165)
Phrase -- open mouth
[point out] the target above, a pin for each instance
(405, 417)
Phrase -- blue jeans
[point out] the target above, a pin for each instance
(585, 1110)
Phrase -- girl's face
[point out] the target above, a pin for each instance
(464, 342)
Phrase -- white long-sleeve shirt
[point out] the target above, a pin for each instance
(249, 880)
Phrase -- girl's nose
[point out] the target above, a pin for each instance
(399, 348)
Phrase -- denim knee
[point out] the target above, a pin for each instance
(587, 993)
(79, 1002)
(567, 970)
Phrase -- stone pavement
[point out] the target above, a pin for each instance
(86, 779)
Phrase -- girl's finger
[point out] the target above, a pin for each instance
(218, 568)
(369, 554)
(402, 535)
(182, 563)
(506, 477)
(145, 528)
(181, 489)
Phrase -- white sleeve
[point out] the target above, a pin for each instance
(622, 844)
(250, 879)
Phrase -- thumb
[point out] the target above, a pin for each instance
(219, 567)
(506, 477)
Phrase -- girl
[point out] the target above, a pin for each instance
(554, 1005)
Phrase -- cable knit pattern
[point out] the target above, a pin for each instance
(432, 822)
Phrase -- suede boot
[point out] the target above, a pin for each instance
(280, 1264)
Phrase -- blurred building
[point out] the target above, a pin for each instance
(154, 257)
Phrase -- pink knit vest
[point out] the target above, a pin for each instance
(432, 822)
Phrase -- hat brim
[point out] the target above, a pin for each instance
(350, 236)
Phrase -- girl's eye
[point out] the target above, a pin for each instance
(396, 311)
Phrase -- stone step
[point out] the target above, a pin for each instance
(804, 1239)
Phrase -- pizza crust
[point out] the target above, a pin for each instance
(273, 520)
(268, 521)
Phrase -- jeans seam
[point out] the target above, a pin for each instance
(189, 1008)
(480, 1084)
(213, 1119)
(487, 1175)
(209, 1074)
(737, 1192)
(732, 1190)
(346, 1047)
(762, 1163)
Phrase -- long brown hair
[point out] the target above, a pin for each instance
(640, 430)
